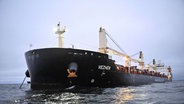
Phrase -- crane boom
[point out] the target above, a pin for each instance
(127, 58)
(104, 49)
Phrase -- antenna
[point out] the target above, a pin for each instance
(60, 31)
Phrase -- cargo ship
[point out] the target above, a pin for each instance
(57, 68)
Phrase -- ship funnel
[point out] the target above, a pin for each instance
(102, 40)
(60, 31)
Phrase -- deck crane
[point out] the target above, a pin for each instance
(107, 50)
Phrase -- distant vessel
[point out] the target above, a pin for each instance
(65, 67)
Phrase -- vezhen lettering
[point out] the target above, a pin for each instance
(104, 67)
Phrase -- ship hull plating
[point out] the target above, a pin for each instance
(64, 67)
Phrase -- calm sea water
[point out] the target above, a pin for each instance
(157, 93)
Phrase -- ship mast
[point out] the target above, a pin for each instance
(102, 41)
(60, 31)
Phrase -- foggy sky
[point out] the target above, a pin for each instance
(156, 27)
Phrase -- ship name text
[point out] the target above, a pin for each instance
(104, 67)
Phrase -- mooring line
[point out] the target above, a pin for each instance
(22, 82)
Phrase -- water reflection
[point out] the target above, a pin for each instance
(53, 97)
(150, 94)
(117, 95)
(76, 96)
(124, 95)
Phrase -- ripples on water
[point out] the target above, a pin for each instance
(164, 93)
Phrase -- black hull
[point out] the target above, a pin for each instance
(50, 68)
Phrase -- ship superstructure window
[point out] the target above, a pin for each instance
(85, 53)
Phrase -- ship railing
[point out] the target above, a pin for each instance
(134, 70)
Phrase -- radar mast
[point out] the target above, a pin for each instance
(60, 31)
